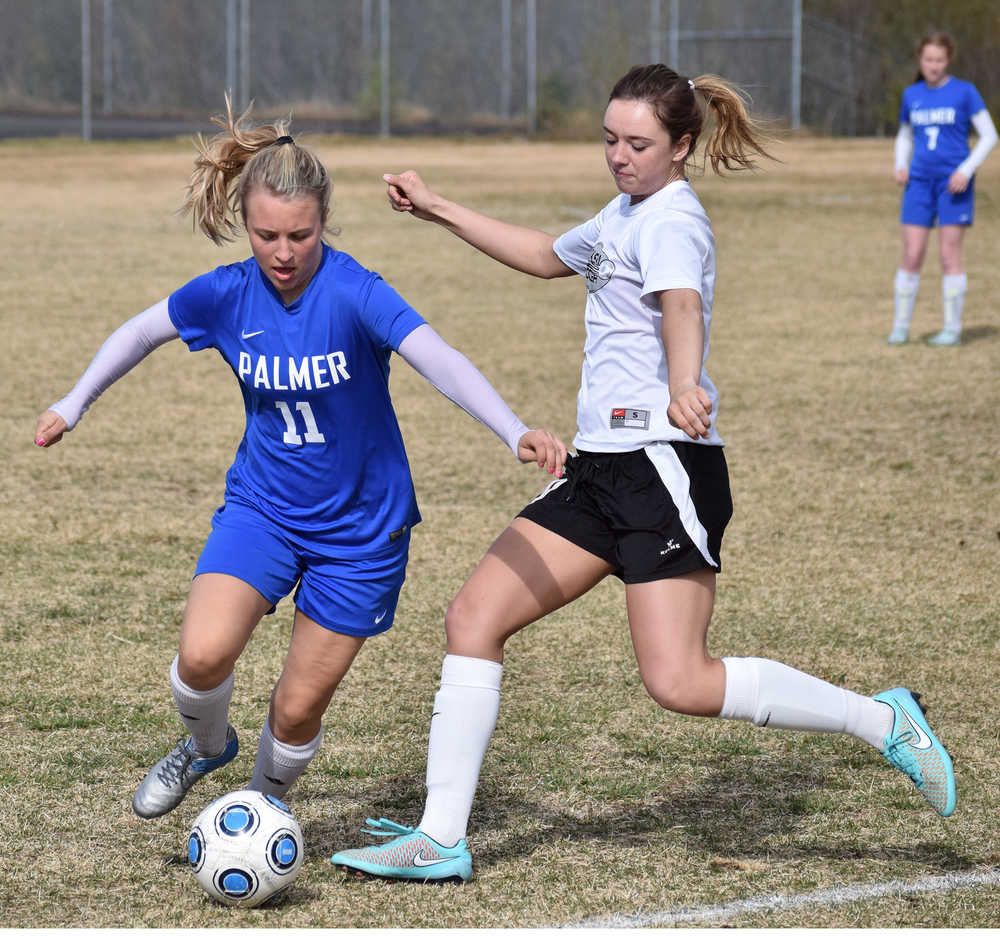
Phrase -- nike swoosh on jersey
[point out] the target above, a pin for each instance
(246, 334)
(419, 861)
(379, 619)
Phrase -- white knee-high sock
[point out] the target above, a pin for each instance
(465, 713)
(775, 695)
(278, 764)
(953, 289)
(205, 714)
(906, 286)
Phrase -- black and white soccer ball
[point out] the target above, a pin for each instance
(245, 848)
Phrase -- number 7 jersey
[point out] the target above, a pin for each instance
(941, 119)
(322, 453)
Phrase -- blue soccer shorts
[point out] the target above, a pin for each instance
(927, 199)
(350, 596)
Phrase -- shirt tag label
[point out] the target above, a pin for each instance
(624, 418)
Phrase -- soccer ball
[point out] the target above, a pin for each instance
(245, 848)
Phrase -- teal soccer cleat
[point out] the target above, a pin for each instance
(411, 856)
(899, 335)
(946, 338)
(914, 749)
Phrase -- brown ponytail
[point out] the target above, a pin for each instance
(736, 138)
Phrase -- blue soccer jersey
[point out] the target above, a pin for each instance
(941, 119)
(322, 453)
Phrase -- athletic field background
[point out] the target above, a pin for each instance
(864, 548)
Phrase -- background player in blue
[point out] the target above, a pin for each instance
(934, 164)
(320, 492)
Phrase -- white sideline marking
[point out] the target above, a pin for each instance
(833, 895)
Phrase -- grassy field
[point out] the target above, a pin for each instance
(865, 548)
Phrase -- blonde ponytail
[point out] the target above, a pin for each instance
(242, 158)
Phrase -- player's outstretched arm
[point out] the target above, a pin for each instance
(454, 375)
(521, 248)
(125, 348)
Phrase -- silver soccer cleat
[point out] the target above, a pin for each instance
(170, 779)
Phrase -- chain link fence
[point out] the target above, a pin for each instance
(140, 67)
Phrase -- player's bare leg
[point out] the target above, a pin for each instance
(669, 622)
(219, 618)
(318, 659)
(527, 573)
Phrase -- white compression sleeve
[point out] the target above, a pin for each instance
(125, 348)
(451, 372)
(904, 146)
(987, 140)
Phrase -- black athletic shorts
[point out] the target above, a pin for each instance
(652, 514)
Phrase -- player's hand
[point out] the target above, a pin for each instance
(902, 176)
(958, 182)
(408, 192)
(544, 447)
(690, 411)
(49, 429)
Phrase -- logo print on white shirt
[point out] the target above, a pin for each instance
(600, 269)
(245, 334)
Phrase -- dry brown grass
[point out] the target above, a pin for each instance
(864, 548)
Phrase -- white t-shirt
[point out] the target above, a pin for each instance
(627, 253)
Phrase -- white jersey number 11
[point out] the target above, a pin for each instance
(291, 436)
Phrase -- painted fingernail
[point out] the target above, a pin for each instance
(40, 441)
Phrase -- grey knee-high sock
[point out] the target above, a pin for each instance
(278, 764)
(205, 713)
